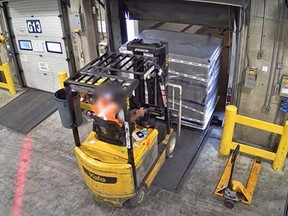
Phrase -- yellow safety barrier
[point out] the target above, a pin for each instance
(62, 76)
(2, 39)
(9, 84)
(231, 118)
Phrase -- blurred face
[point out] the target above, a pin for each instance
(106, 101)
(107, 96)
(112, 94)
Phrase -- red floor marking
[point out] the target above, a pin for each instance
(23, 166)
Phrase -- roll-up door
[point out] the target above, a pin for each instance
(38, 34)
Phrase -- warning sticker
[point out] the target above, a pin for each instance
(43, 66)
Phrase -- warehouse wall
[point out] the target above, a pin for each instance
(251, 101)
(86, 43)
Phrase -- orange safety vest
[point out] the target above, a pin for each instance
(107, 110)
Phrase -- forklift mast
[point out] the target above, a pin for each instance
(157, 83)
(160, 52)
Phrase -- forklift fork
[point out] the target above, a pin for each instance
(234, 191)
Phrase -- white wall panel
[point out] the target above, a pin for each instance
(47, 12)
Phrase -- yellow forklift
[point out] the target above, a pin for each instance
(119, 163)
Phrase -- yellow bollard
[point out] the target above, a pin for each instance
(62, 76)
(9, 79)
(2, 39)
(281, 150)
(228, 130)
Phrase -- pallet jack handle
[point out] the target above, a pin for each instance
(232, 190)
(235, 153)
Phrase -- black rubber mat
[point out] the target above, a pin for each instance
(175, 170)
(27, 110)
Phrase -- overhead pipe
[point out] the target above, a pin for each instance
(263, 30)
(280, 44)
(284, 45)
(277, 79)
(266, 104)
(242, 55)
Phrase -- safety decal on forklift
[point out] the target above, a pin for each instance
(141, 50)
(127, 134)
(98, 178)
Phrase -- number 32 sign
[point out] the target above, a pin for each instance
(34, 26)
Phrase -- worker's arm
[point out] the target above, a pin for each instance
(138, 113)
(134, 114)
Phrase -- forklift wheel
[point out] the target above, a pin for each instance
(229, 203)
(171, 144)
(138, 198)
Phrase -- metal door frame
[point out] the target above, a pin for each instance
(18, 65)
(64, 16)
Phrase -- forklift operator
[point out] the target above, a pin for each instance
(104, 107)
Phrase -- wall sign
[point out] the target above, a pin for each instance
(34, 26)
(43, 66)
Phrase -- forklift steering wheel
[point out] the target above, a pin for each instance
(144, 120)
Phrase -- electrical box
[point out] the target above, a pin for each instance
(284, 86)
(284, 105)
(75, 20)
(250, 77)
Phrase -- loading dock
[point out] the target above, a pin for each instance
(50, 182)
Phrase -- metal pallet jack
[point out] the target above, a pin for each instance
(234, 191)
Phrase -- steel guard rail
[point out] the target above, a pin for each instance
(227, 144)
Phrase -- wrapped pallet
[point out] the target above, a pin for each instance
(194, 63)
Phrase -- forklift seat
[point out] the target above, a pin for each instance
(109, 131)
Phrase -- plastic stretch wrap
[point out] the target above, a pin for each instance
(194, 63)
(194, 90)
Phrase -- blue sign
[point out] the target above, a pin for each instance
(34, 26)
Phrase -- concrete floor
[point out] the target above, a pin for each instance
(54, 185)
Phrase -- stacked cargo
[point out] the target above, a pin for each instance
(194, 63)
